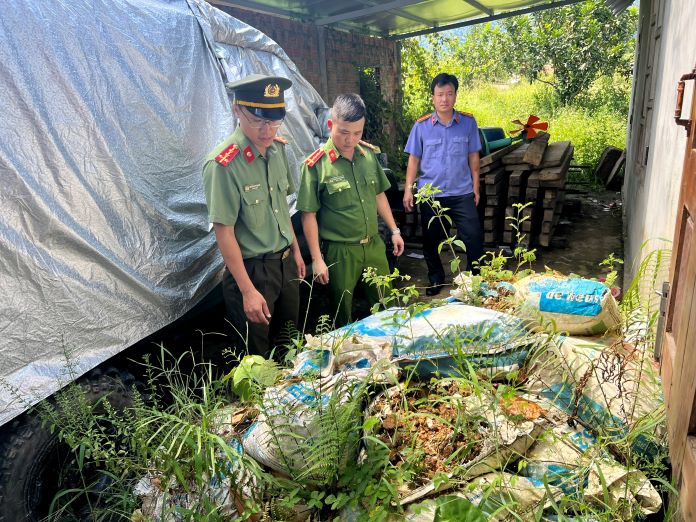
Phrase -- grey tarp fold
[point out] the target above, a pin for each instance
(108, 110)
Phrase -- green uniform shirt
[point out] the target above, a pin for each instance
(343, 193)
(250, 193)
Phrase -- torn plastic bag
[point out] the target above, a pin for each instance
(357, 356)
(609, 386)
(571, 460)
(502, 439)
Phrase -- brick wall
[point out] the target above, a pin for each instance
(345, 53)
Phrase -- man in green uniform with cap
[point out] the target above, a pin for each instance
(341, 193)
(247, 181)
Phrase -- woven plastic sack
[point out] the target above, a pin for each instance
(573, 305)
(609, 386)
(433, 340)
(571, 460)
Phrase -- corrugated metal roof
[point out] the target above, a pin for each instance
(402, 18)
(618, 6)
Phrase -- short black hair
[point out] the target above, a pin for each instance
(443, 79)
(348, 107)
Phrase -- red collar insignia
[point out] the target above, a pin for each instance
(249, 154)
(332, 155)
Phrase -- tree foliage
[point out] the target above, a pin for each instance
(580, 43)
(568, 48)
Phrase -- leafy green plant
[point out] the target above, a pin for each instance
(426, 195)
(251, 374)
(456, 509)
(611, 263)
(352, 459)
(383, 126)
(389, 294)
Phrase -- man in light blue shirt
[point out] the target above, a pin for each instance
(444, 147)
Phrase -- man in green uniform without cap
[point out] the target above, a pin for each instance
(247, 181)
(341, 192)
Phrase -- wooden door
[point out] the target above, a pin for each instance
(679, 341)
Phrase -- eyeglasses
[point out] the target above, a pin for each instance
(257, 124)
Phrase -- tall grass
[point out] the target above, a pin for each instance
(598, 119)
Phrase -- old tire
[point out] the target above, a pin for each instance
(35, 464)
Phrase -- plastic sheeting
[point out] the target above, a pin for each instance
(109, 109)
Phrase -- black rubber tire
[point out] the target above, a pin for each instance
(31, 457)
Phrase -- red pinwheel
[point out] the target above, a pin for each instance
(529, 130)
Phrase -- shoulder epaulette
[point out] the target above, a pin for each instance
(370, 146)
(280, 139)
(423, 118)
(314, 157)
(466, 114)
(227, 155)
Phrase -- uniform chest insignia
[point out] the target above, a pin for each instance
(423, 118)
(332, 155)
(227, 155)
(280, 139)
(249, 154)
(314, 157)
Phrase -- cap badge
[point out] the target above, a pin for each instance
(271, 91)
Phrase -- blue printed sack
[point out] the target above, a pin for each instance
(573, 305)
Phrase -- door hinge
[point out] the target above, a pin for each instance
(680, 98)
(659, 334)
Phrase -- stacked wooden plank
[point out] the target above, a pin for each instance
(493, 189)
(533, 174)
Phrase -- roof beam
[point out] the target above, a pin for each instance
(527, 10)
(480, 7)
(359, 13)
(401, 13)
(256, 6)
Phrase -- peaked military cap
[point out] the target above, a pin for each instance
(261, 95)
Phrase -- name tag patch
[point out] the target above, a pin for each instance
(248, 188)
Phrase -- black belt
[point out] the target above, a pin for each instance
(281, 254)
(363, 241)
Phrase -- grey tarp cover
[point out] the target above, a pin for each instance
(108, 111)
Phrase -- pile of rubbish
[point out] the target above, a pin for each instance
(516, 414)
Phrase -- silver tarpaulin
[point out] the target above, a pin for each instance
(108, 109)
